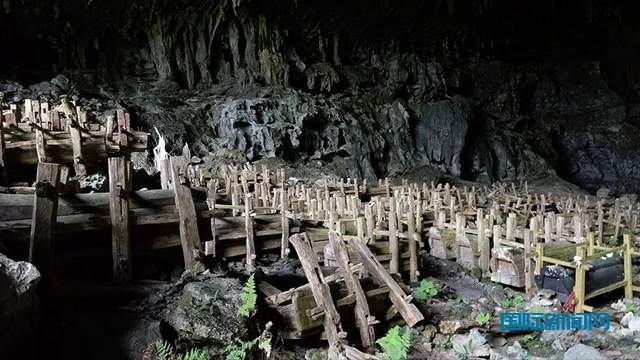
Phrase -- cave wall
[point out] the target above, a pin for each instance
(486, 90)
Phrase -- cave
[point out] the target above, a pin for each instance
(377, 179)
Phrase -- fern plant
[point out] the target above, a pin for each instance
(425, 291)
(396, 345)
(518, 302)
(240, 349)
(248, 297)
(629, 307)
(483, 319)
(164, 351)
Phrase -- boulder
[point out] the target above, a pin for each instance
(583, 352)
(19, 304)
(205, 313)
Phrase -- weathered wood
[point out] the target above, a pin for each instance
(394, 246)
(400, 300)
(3, 170)
(248, 225)
(363, 317)
(45, 206)
(319, 287)
(189, 236)
(119, 189)
(284, 220)
(210, 246)
(413, 246)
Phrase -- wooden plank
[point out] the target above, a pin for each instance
(45, 205)
(400, 300)
(363, 317)
(119, 189)
(319, 287)
(249, 228)
(189, 237)
(413, 245)
(394, 246)
(210, 246)
(3, 169)
(284, 221)
(76, 145)
(628, 267)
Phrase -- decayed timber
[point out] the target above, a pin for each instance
(119, 189)
(319, 287)
(400, 300)
(188, 224)
(363, 317)
(45, 205)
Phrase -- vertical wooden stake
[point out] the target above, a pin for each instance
(189, 236)
(45, 209)
(210, 246)
(628, 267)
(249, 227)
(579, 287)
(394, 247)
(483, 242)
(413, 247)
(119, 188)
(284, 220)
(528, 274)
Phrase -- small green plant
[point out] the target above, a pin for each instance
(240, 349)
(528, 339)
(248, 297)
(446, 342)
(164, 351)
(536, 308)
(396, 345)
(194, 354)
(483, 319)
(518, 302)
(505, 303)
(632, 308)
(425, 291)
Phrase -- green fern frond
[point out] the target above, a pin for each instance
(395, 345)
(164, 351)
(248, 297)
(194, 354)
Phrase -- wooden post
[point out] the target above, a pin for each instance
(528, 274)
(394, 246)
(3, 170)
(189, 237)
(76, 145)
(284, 220)
(364, 320)
(539, 255)
(628, 274)
(210, 246)
(483, 242)
(319, 287)
(249, 227)
(413, 247)
(368, 215)
(119, 189)
(43, 220)
(579, 287)
(165, 174)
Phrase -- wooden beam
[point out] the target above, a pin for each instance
(394, 246)
(284, 221)
(189, 237)
(249, 227)
(119, 189)
(319, 287)
(400, 300)
(363, 317)
(45, 205)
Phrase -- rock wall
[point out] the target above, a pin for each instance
(482, 90)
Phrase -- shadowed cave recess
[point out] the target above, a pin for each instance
(470, 93)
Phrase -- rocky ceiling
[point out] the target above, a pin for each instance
(484, 90)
